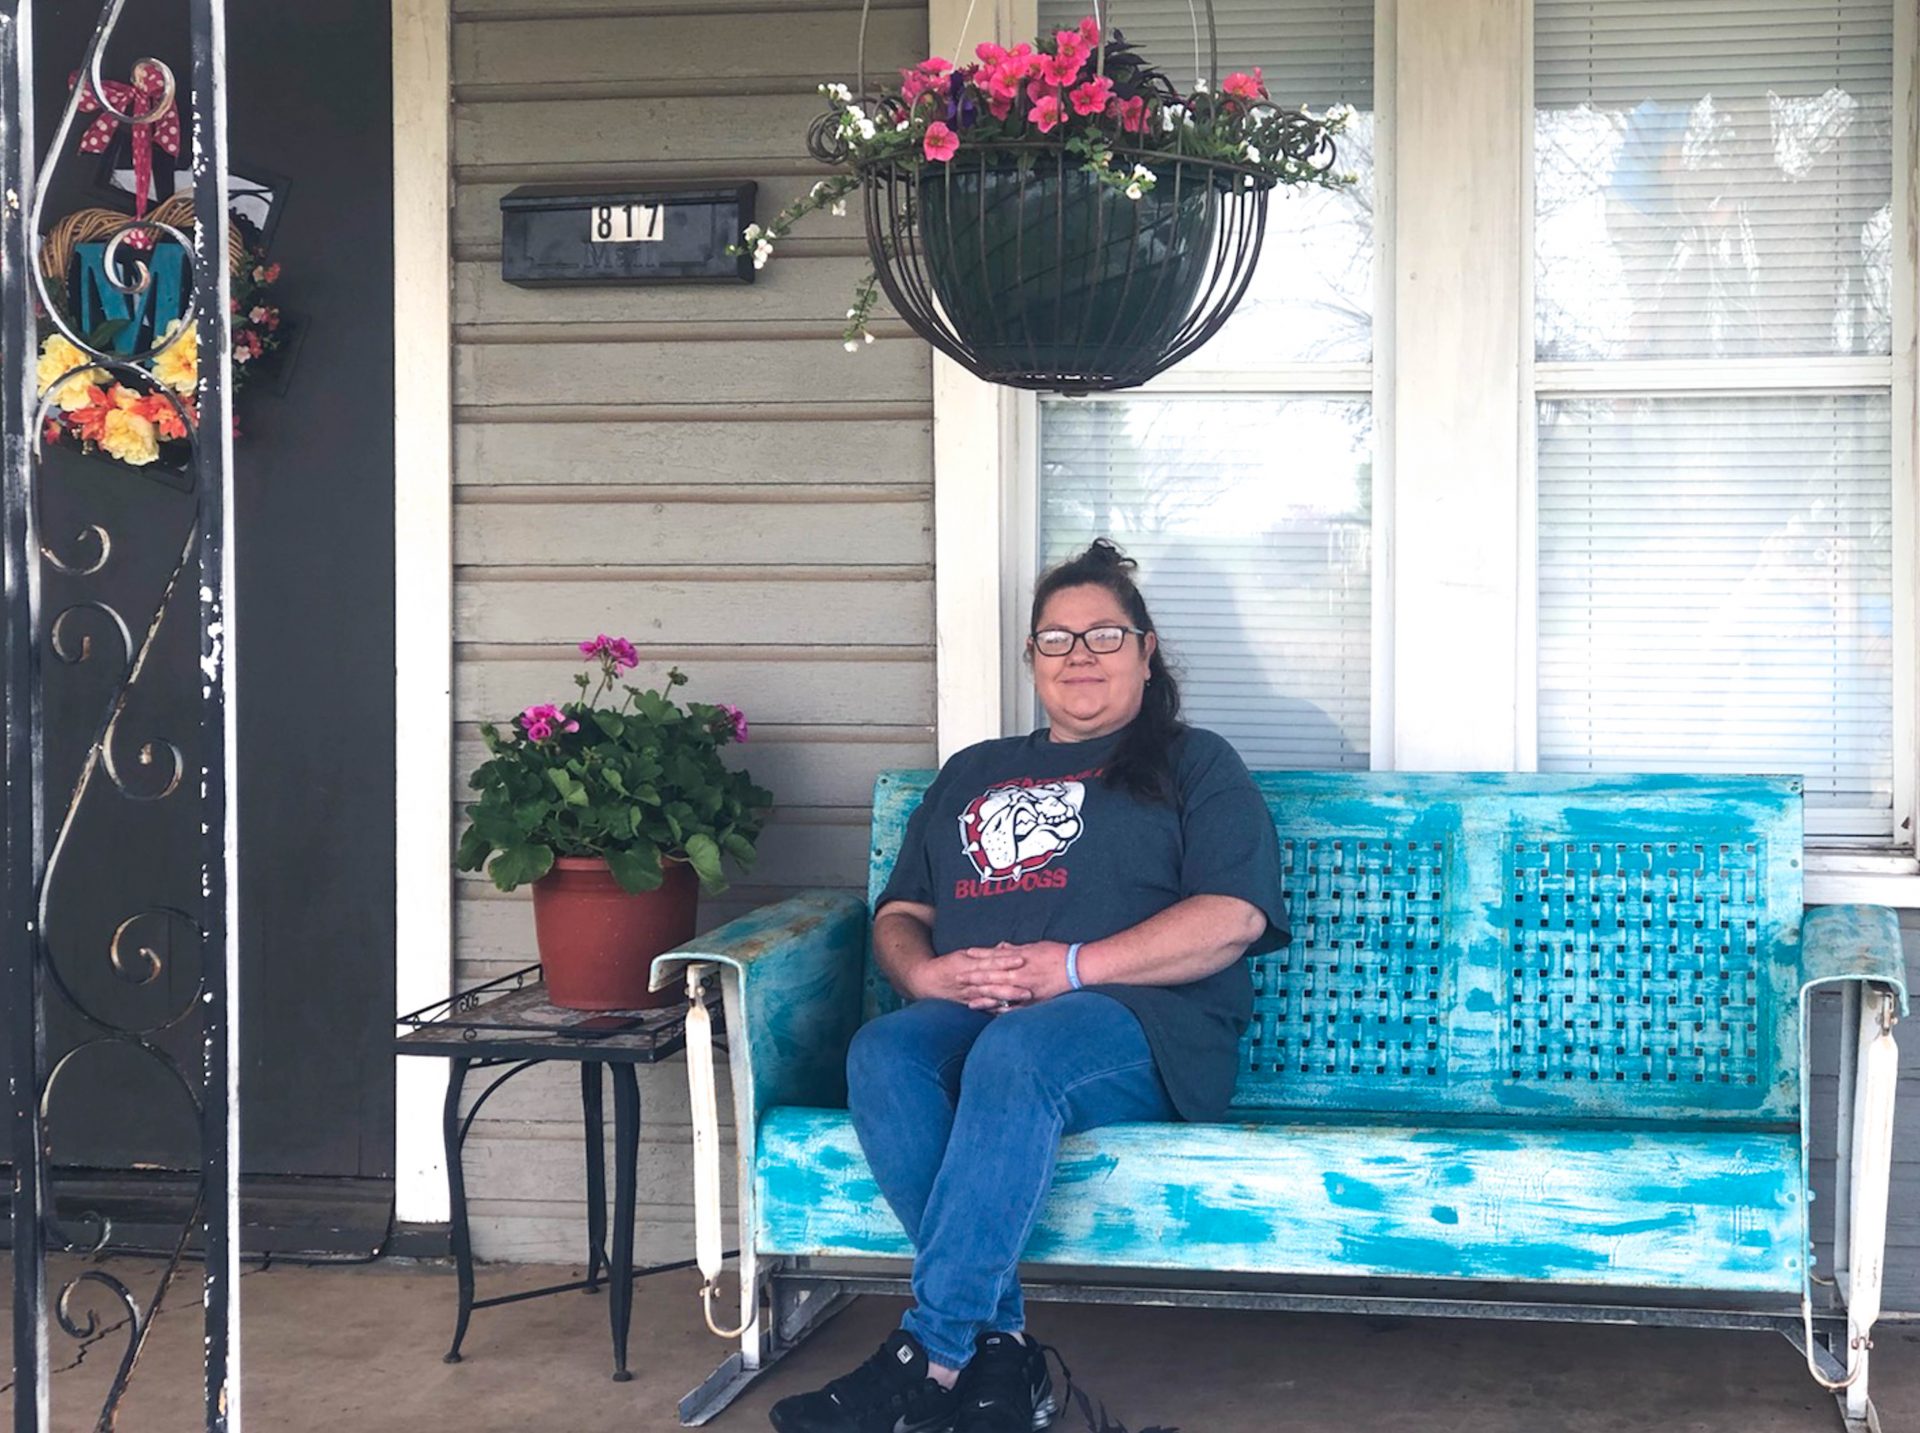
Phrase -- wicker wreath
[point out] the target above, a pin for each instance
(85, 226)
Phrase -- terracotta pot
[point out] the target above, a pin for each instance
(597, 942)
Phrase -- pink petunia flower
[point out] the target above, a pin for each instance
(1092, 97)
(738, 718)
(1068, 59)
(924, 78)
(1046, 114)
(1090, 31)
(1245, 87)
(1133, 115)
(941, 143)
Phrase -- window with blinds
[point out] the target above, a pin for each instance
(1249, 505)
(1713, 181)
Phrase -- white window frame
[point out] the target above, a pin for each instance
(1454, 387)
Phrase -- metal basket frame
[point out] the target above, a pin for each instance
(1083, 352)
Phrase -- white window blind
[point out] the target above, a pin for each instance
(1249, 505)
(1713, 180)
(1713, 177)
(1716, 592)
(1250, 517)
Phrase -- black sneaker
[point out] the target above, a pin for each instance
(1006, 1389)
(889, 1393)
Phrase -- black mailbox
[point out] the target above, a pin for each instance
(664, 233)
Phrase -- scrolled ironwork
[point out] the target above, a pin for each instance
(139, 959)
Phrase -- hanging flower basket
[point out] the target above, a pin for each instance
(1057, 216)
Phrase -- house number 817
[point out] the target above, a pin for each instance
(626, 224)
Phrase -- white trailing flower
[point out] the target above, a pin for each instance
(1339, 114)
(867, 128)
(1134, 191)
(1253, 153)
(753, 231)
(1140, 181)
(839, 210)
(762, 251)
(837, 92)
(901, 127)
(866, 336)
(852, 345)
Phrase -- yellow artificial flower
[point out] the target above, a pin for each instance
(57, 357)
(130, 438)
(178, 366)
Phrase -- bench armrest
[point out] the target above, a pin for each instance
(1842, 943)
(790, 979)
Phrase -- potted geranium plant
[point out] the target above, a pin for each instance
(618, 815)
(1058, 207)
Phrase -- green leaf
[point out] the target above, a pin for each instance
(612, 723)
(636, 871)
(704, 856)
(740, 848)
(474, 850)
(517, 865)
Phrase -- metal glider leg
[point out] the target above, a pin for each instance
(626, 1149)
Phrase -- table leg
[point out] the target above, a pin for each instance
(457, 1199)
(626, 1149)
(596, 1135)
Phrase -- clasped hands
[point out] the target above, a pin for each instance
(995, 977)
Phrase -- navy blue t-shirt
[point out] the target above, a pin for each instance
(1021, 840)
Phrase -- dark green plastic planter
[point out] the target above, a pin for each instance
(1052, 278)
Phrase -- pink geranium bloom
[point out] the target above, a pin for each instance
(941, 142)
(1046, 114)
(737, 718)
(619, 648)
(542, 721)
(1245, 87)
(1092, 97)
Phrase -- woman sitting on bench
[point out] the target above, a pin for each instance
(1067, 920)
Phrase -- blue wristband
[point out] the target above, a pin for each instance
(1073, 965)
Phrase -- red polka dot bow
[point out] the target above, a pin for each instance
(142, 97)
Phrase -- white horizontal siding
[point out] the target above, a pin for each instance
(700, 468)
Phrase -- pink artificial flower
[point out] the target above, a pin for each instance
(1133, 115)
(941, 142)
(1046, 114)
(1245, 87)
(1092, 97)
(738, 719)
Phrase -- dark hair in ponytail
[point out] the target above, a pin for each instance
(1143, 765)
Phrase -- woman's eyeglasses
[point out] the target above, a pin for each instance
(1058, 641)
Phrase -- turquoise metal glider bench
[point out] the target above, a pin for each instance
(1538, 1049)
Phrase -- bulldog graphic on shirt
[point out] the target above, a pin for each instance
(1010, 831)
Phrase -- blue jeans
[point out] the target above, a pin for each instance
(960, 1114)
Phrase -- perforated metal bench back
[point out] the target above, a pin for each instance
(1613, 948)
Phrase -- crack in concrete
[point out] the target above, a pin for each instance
(100, 1335)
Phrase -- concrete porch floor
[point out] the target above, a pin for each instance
(331, 1349)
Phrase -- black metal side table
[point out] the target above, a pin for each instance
(509, 1022)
